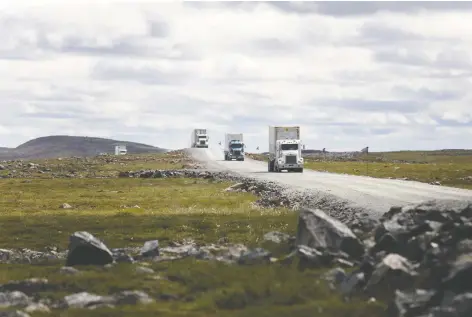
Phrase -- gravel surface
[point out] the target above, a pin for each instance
(342, 195)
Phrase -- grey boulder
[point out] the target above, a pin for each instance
(85, 249)
(318, 230)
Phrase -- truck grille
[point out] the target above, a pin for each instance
(291, 159)
(237, 153)
(202, 142)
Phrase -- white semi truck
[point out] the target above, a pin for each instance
(285, 150)
(234, 147)
(199, 138)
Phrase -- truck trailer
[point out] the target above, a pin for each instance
(285, 151)
(199, 138)
(234, 147)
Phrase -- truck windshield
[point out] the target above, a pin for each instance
(202, 136)
(289, 147)
(235, 146)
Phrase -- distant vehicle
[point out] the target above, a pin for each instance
(199, 138)
(121, 150)
(234, 147)
(285, 151)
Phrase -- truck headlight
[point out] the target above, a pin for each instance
(300, 160)
(281, 161)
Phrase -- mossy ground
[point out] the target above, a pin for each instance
(451, 168)
(169, 210)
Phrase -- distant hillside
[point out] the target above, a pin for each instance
(67, 146)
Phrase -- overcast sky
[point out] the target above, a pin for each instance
(386, 75)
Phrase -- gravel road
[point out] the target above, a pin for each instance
(373, 195)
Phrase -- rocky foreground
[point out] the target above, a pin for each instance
(418, 259)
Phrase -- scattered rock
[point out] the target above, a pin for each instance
(144, 270)
(150, 249)
(276, 237)
(132, 298)
(23, 256)
(235, 187)
(14, 298)
(351, 283)
(254, 256)
(318, 230)
(68, 270)
(409, 304)
(86, 300)
(85, 249)
(29, 287)
(37, 307)
(92, 301)
(394, 272)
(66, 206)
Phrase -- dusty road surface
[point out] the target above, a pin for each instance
(372, 194)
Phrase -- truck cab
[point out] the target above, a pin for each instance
(234, 147)
(199, 138)
(202, 140)
(289, 155)
(235, 151)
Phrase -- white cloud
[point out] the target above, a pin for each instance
(351, 76)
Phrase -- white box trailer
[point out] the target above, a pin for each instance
(199, 138)
(120, 150)
(285, 151)
(234, 147)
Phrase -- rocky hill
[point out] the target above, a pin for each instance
(67, 146)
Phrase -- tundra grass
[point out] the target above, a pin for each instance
(448, 174)
(127, 212)
(450, 168)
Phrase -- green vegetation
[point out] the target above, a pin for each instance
(449, 167)
(448, 174)
(126, 212)
(195, 288)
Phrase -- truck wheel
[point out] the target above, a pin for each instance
(268, 167)
(271, 165)
(300, 170)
